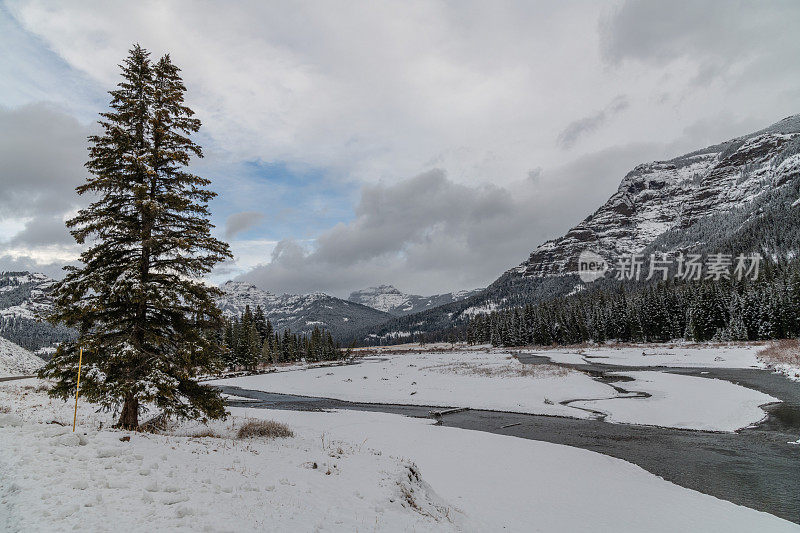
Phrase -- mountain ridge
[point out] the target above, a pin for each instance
(299, 312)
(390, 300)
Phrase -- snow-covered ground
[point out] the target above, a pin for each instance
(54, 480)
(494, 380)
(676, 355)
(16, 360)
(374, 472)
(684, 402)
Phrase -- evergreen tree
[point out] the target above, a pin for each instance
(146, 322)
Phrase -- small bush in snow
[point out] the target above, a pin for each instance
(265, 428)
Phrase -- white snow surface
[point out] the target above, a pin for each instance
(54, 480)
(16, 360)
(494, 380)
(685, 402)
(370, 466)
(654, 355)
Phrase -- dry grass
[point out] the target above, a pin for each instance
(784, 351)
(643, 345)
(265, 428)
(501, 371)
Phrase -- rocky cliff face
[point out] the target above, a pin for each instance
(664, 195)
(390, 300)
(24, 299)
(300, 312)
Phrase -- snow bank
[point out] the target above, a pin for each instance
(651, 355)
(684, 402)
(790, 371)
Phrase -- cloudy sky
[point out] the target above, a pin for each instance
(430, 145)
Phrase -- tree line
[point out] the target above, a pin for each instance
(724, 310)
(251, 341)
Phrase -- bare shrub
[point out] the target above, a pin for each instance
(157, 424)
(265, 428)
(784, 351)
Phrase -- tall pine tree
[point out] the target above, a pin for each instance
(146, 322)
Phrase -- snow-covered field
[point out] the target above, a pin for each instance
(16, 360)
(693, 356)
(374, 472)
(494, 380)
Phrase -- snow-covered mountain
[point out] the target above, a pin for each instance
(16, 360)
(300, 312)
(739, 196)
(390, 300)
(24, 298)
(664, 195)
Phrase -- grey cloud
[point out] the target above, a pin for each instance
(426, 232)
(711, 130)
(43, 230)
(43, 151)
(429, 234)
(535, 174)
(20, 263)
(577, 129)
(408, 212)
(239, 222)
(715, 32)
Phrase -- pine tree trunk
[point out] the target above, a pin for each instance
(129, 418)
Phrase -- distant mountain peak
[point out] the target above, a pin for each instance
(389, 299)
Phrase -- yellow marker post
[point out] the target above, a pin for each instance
(77, 389)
